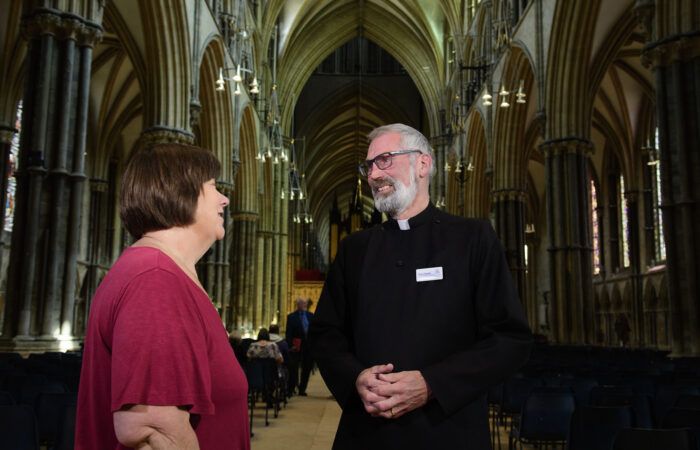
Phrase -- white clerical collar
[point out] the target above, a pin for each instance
(403, 224)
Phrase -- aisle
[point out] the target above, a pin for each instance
(307, 423)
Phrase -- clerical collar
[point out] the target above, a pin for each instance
(403, 224)
(419, 219)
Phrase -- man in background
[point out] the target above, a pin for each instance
(299, 354)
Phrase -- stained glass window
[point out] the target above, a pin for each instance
(10, 174)
(595, 228)
(624, 223)
(660, 244)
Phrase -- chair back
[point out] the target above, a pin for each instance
(688, 401)
(515, 392)
(6, 399)
(640, 403)
(595, 427)
(50, 409)
(66, 433)
(18, 429)
(649, 439)
(254, 373)
(546, 416)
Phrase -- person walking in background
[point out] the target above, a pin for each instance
(158, 370)
(418, 316)
(299, 354)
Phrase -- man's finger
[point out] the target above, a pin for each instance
(390, 377)
(388, 389)
(372, 397)
(382, 368)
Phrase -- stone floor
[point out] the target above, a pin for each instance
(307, 423)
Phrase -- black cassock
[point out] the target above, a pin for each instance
(465, 332)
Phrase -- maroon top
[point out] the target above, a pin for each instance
(154, 338)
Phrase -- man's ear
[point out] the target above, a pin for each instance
(425, 164)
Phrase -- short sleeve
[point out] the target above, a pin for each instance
(159, 346)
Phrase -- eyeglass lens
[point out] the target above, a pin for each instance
(382, 161)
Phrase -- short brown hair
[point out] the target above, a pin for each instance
(161, 186)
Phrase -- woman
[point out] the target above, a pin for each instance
(158, 370)
(264, 348)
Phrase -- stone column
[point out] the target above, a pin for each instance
(243, 265)
(568, 205)
(98, 194)
(675, 58)
(213, 267)
(634, 242)
(509, 207)
(43, 267)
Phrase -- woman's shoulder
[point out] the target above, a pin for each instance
(139, 260)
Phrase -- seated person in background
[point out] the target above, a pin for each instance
(279, 340)
(236, 341)
(264, 348)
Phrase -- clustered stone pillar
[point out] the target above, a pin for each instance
(568, 205)
(509, 207)
(676, 63)
(214, 267)
(243, 264)
(43, 262)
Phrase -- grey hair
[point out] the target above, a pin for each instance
(410, 139)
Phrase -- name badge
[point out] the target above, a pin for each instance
(429, 274)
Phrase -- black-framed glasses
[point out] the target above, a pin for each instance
(382, 161)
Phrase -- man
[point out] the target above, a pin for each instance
(418, 317)
(299, 355)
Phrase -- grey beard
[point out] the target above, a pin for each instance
(399, 200)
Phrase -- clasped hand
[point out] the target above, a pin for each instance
(390, 394)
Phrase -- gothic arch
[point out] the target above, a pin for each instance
(216, 117)
(11, 62)
(168, 79)
(245, 196)
(384, 24)
(510, 125)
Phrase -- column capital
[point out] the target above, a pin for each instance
(195, 112)
(503, 195)
(245, 216)
(567, 145)
(44, 22)
(159, 134)
(98, 185)
(664, 52)
(224, 187)
(69, 28)
(89, 36)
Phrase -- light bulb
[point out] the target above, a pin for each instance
(237, 78)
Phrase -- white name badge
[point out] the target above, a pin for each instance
(429, 274)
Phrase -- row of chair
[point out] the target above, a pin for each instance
(589, 398)
(553, 419)
(50, 423)
(267, 382)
